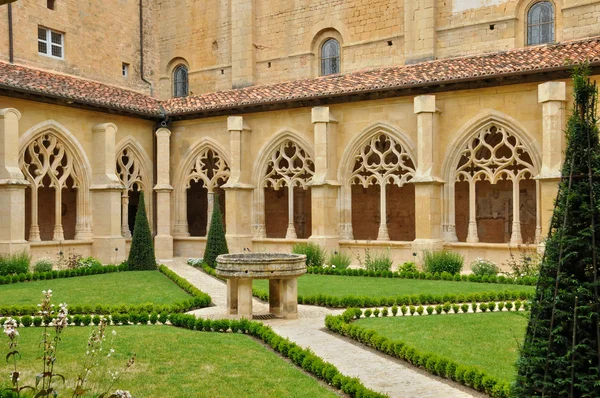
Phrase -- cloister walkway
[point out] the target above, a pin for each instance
(377, 371)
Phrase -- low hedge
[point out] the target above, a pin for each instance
(67, 273)
(302, 357)
(445, 276)
(199, 299)
(325, 300)
(431, 362)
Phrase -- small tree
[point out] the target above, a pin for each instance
(215, 242)
(141, 255)
(561, 353)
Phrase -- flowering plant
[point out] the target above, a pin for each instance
(55, 321)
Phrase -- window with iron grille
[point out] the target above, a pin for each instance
(330, 57)
(180, 81)
(50, 43)
(540, 23)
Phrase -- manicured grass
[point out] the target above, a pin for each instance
(488, 341)
(173, 362)
(340, 286)
(129, 288)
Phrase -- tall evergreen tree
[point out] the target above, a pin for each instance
(215, 242)
(141, 254)
(561, 353)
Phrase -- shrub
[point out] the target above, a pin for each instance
(26, 320)
(408, 266)
(368, 313)
(508, 305)
(394, 310)
(339, 260)
(412, 309)
(380, 261)
(443, 261)
(376, 312)
(315, 254)
(429, 310)
(420, 310)
(482, 266)
(17, 263)
(89, 262)
(384, 312)
(141, 254)
(43, 265)
(438, 309)
(216, 244)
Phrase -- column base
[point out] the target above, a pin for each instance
(163, 247)
(383, 233)
(110, 250)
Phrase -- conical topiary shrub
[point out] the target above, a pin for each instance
(215, 242)
(141, 255)
(561, 353)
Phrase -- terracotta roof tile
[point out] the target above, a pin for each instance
(529, 59)
(525, 60)
(76, 89)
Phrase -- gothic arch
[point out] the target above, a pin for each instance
(509, 154)
(69, 162)
(401, 149)
(134, 170)
(265, 175)
(189, 170)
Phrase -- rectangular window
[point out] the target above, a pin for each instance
(51, 43)
(125, 70)
(50, 4)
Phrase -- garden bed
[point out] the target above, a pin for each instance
(180, 363)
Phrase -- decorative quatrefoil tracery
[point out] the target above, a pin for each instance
(129, 170)
(210, 168)
(289, 165)
(494, 154)
(48, 156)
(382, 161)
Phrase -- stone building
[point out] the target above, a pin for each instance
(390, 124)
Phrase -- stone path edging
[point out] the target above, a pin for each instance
(376, 371)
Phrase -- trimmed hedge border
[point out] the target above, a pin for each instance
(66, 273)
(199, 299)
(325, 300)
(445, 276)
(435, 364)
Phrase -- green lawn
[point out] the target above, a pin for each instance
(130, 288)
(173, 362)
(340, 286)
(489, 341)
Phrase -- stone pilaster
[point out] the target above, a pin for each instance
(238, 190)
(419, 30)
(552, 96)
(428, 184)
(324, 185)
(109, 244)
(163, 241)
(12, 185)
(242, 43)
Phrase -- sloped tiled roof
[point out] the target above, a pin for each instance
(24, 79)
(518, 62)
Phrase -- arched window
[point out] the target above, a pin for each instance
(330, 57)
(180, 81)
(540, 23)
(134, 179)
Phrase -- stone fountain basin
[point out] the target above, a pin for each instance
(261, 265)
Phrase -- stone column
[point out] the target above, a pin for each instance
(325, 186)
(163, 241)
(291, 229)
(242, 43)
(238, 189)
(472, 234)
(275, 296)
(125, 214)
(419, 30)
(552, 96)
(382, 233)
(244, 298)
(428, 184)
(515, 236)
(12, 185)
(109, 244)
(232, 295)
(289, 304)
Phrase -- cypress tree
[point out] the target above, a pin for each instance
(141, 255)
(561, 353)
(215, 242)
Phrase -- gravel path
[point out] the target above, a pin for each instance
(377, 371)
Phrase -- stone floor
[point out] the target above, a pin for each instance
(377, 371)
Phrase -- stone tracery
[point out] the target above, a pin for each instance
(135, 180)
(47, 162)
(290, 166)
(497, 157)
(382, 161)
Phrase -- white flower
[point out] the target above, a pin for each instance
(114, 332)
(123, 394)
